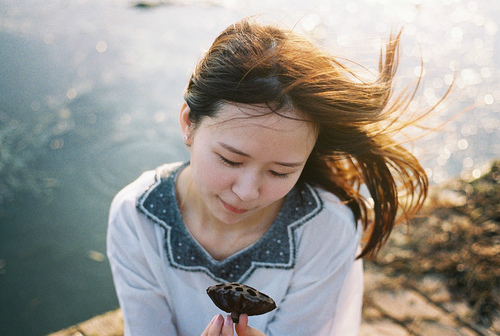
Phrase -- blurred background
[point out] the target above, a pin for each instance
(89, 97)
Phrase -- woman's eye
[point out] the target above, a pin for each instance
(275, 174)
(228, 162)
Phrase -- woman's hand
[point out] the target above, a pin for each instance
(224, 327)
(243, 329)
(219, 326)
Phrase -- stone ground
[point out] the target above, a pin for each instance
(439, 278)
(394, 306)
(401, 305)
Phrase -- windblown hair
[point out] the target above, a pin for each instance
(356, 119)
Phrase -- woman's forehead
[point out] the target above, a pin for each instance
(265, 135)
(250, 116)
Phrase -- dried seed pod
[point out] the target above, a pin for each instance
(239, 299)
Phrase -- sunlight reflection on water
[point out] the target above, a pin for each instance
(454, 39)
(111, 78)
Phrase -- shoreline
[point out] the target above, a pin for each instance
(409, 289)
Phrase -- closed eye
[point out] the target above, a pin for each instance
(228, 162)
(275, 174)
(237, 164)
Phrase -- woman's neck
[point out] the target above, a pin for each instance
(219, 239)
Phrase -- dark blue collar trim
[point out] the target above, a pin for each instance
(276, 248)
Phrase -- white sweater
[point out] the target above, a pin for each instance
(304, 262)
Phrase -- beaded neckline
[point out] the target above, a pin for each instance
(275, 249)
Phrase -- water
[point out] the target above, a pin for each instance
(90, 91)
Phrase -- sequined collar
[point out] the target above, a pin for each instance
(276, 248)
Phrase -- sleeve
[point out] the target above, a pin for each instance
(144, 306)
(323, 298)
(347, 319)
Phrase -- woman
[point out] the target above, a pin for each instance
(281, 138)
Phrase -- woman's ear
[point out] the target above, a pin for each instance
(186, 124)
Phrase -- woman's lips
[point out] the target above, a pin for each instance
(230, 208)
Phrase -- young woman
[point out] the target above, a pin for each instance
(282, 136)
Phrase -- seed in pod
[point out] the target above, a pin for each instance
(239, 299)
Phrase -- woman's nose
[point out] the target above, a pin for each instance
(247, 186)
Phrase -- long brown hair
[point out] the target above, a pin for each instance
(356, 119)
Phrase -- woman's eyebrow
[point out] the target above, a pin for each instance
(234, 150)
(237, 151)
(289, 164)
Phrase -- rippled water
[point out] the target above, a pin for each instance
(109, 78)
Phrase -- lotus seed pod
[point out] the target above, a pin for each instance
(236, 299)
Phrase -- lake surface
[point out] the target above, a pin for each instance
(89, 97)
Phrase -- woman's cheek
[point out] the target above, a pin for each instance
(218, 177)
(277, 188)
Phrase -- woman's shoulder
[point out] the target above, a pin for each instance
(335, 214)
(130, 194)
(334, 204)
(330, 238)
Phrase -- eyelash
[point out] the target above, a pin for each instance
(236, 164)
(278, 175)
(229, 163)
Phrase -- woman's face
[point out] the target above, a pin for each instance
(243, 162)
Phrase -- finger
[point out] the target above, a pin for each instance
(241, 326)
(205, 332)
(227, 329)
(216, 328)
(243, 329)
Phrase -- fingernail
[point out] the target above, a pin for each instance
(219, 319)
(228, 320)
